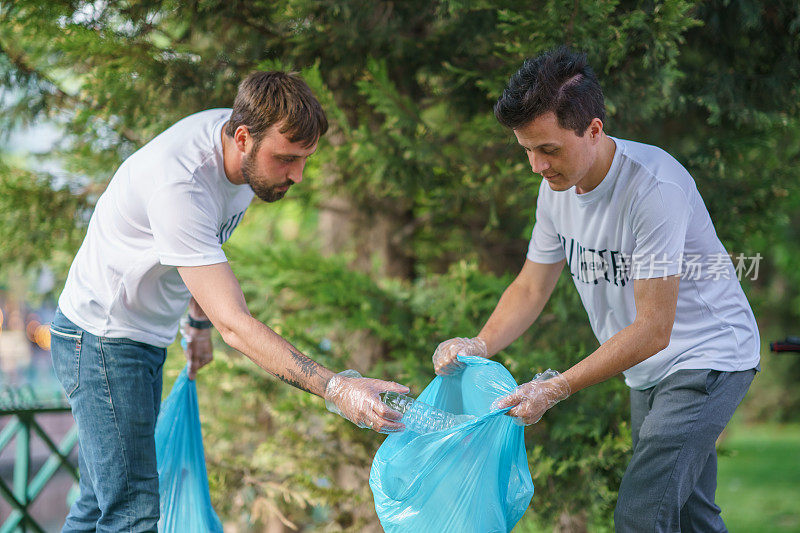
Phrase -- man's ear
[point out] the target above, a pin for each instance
(241, 137)
(595, 129)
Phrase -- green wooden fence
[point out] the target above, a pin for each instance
(22, 405)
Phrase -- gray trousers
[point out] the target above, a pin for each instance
(670, 482)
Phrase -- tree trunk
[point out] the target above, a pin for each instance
(571, 523)
(377, 238)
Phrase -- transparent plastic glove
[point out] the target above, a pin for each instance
(358, 399)
(531, 400)
(197, 348)
(445, 357)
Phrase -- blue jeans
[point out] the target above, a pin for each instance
(670, 483)
(114, 389)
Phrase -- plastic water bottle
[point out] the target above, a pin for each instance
(421, 417)
(417, 416)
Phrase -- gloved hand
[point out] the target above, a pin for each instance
(197, 348)
(533, 399)
(444, 358)
(358, 399)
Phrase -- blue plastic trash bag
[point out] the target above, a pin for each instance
(473, 477)
(182, 479)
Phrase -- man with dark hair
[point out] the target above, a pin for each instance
(154, 246)
(626, 218)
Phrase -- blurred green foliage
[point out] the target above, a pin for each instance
(758, 470)
(434, 200)
(39, 220)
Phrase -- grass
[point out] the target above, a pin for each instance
(758, 484)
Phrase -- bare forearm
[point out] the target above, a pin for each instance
(274, 354)
(216, 288)
(656, 300)
(629, 347)
(195, 311)
(516, 311)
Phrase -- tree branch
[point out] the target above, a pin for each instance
(21, 63)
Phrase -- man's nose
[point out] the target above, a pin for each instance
(296, 172)
(538, 163)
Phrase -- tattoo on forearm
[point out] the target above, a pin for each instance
(307, 369)
(291, 380)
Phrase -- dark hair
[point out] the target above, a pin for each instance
(267, 98)
(559, 81)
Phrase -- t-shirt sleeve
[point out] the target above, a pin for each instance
(659, 221)
(183, 222)
(545, 246)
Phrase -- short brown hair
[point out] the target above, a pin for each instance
(267, 98)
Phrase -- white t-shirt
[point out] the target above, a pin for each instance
(169, 204)
(646, 219)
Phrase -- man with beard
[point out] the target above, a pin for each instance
(154, 247)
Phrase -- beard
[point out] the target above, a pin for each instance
(267, 193)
